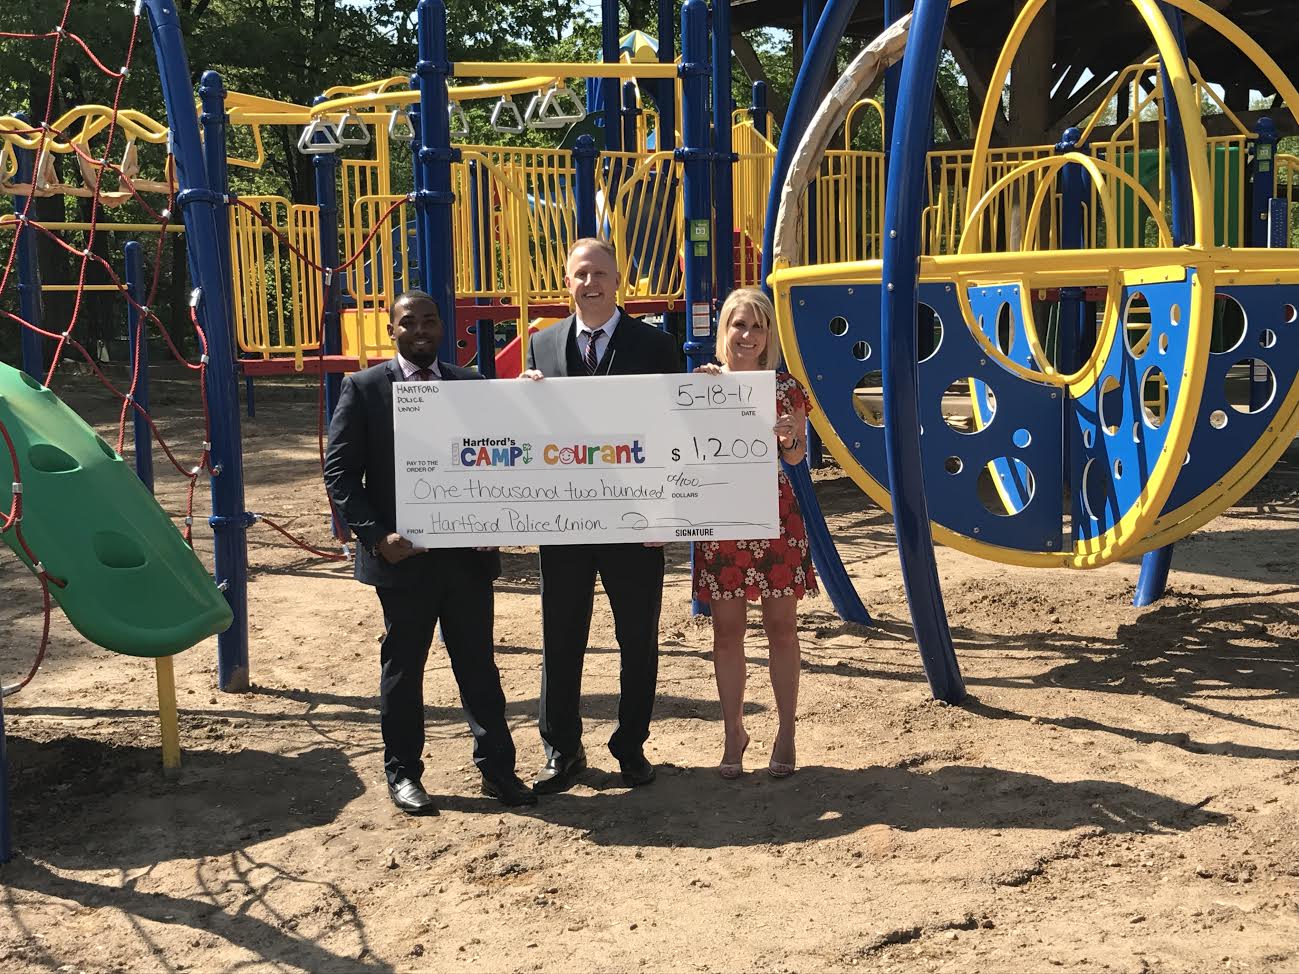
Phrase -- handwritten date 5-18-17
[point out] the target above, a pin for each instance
(714, 396)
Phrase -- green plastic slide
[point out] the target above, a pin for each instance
(133, 585)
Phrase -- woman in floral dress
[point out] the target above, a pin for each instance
(776, 573)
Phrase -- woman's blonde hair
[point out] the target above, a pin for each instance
(757, 302)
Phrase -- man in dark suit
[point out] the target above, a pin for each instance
(417, 589)
(600, 339)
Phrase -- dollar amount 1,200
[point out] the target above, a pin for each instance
(712, 449)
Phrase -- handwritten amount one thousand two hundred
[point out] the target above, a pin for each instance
(595, 460)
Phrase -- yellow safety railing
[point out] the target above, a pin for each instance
(277, 297)
(643, 204)
(865, 106)
(849, 208)
(516, 203)
(534, 190)
(750, 187)
(373, 280)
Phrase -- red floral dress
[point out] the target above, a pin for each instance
(768, 568)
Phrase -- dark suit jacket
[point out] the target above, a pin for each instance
(359, 474)
(635, 349)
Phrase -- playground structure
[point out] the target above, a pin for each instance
(1056, 395)
(1133, 429)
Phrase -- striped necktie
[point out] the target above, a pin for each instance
(589, 359)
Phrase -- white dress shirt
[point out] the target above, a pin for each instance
(408, 368)
(584, 332)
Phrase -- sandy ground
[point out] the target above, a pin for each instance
(1118, 793)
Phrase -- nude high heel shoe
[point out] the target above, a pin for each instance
(779, 769)
(730, 771)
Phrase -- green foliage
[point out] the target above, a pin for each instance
(289, 50)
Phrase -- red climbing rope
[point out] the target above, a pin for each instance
(66, 336)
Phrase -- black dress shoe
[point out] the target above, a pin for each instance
(409, 795)
(508, 790)
(637, 771)
(560, 773)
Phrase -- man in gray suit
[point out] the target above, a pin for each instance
(600, 339)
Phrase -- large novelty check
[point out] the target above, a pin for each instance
(589, 460)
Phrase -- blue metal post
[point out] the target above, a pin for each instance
(484, 328)
(1262, 181)
(694, 156)
(812, 10)
(215, 125)
(138, 343)
(434, 155)
(893, 12)
(609, 87)
(666, 138)
(1072, 307)
(30, 303)
(1155, 565)
(629, 113)
(214, 122)
(759, 113)
(1262, 187)
(818, 59)
(6, 839)
(204, 211)
(904, 202)
(1073, 186)
(584, 156)
(723, 157)
(326, 168)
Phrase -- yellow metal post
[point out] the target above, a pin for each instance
(167, 717)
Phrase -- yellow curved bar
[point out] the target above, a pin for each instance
(1129, 180)
(1247, 46)
(241, 106)
(1188, 106)
(383, 99)
(351, 103)
(1023, 169)
(367, 87)
(1082, 380)
(851, 119)
(8, 223)
(562, 69)
(500, 89)
(1048, 373)
(1129, 534)
(258, 145)
(1183, 91)
(94, 119)
(1041, 268)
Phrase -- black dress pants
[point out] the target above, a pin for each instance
(462, 600)
(633, 579)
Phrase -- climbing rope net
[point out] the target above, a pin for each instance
(92, 135)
